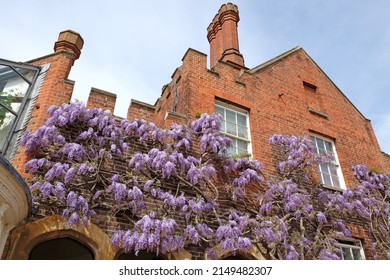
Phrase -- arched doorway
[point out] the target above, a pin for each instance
(64, 248)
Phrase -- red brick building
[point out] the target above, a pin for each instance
(289, 94)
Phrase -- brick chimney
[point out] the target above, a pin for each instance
(223, 36)
(71, 42)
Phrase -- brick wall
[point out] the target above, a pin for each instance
(101, 99)
(279, 101)
(141, 110)
(56, 88)
(385, 163)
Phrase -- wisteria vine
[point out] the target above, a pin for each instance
(168, 189)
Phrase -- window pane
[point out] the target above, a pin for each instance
(28, 74)
(230, 116)
(347, 254)
(328, 146)
(241, 120)
(233, 150)
(339, 253)
(356, 254)
(333, 169)
(6, 121)
(242, 147)
(327, 181)
(242, 132)
(6, 98)
(324, 168)
(13, 88)
(223, 126)
(219, 110)
(320, 144)
(336, 181)
(231, 128)
(335, 177)
(235, 126)
(325, 176)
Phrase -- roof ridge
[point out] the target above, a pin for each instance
(274, 60)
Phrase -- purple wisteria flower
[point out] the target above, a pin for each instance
(194, 192)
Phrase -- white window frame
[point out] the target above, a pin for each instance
(12, 137)
(352, 244)
(237, 111)
(335, 163)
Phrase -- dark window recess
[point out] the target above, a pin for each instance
(174, 107)
(309, 87)
(61, 249)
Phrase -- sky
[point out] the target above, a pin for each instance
(131, 48)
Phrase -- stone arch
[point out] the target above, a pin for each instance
(236, 256)
(25, 237)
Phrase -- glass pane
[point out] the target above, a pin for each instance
(327, 181)
(356, 254)
(325, 176)
(11, 100)
(339, 253)
(26, 73)
(324, 168)
(335, 177)
(219, 110)
(233, 149)
(230, 116)
(336, 181)
(242, 147)
(223, 126)
(241, 120)
(333, 170)
(328, 146)
(6, 98)
(231, 128)
(347, 254)
(12, 87)
(321, 146)
(6, 121)
(242, 132)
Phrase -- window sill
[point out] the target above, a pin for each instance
(332, 188)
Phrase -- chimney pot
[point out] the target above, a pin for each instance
(223, 36)
(69, 41)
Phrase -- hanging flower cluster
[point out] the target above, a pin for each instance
(179, 187)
